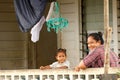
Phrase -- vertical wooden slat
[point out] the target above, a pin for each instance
(55, 77)
(41, 77)
(26, 50)
(106, 25)
(71, 77)
(86, 77)
(107, 34)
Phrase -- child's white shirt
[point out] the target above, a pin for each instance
(57, 64)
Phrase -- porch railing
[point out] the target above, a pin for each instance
(54, 74)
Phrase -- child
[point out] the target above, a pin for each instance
(61, 62)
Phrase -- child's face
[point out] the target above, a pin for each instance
(61, 57)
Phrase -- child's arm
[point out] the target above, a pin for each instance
(45, 67)
(62, 67)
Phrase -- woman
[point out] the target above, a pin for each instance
(95, 58)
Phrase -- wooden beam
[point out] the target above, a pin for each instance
(106, 24)
(107, 38)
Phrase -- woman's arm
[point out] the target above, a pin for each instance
(80, 66)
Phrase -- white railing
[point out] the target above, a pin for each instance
(54, 74)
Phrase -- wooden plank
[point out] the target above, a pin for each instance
(118, 38)
(118, 12)
(8, 17)
(9, 26)
(118, 45)
(6, 7)
(67, 8)
(70, 34)
(108, 31)
(13, 64)
(12, 41)
(118, 21)
(67, 44)
(6, 1)
(70, 17)
(12, 45)
(12, 36)
(70, 27)
(12, 54)
(107, 34)
(118, 4)
(66, 1)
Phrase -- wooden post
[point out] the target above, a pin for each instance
(107, 54)
(106, 19)
(106, 24)
(107, 37)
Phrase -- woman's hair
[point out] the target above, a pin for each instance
(97, 37)
(61, 50)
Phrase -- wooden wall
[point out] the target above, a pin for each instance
(17, 51)
(13, 49)
(69, 38)
(118, 24)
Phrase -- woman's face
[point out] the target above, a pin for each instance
(92, 43)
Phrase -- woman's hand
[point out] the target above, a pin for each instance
(77, 68)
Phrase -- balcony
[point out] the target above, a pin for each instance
(55, 74)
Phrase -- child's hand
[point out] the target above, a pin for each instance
(42, 67)
(62, 67)
(45, 67)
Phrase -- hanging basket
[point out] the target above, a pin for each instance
(56, 23)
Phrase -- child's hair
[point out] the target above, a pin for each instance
(61, 50)
(97, 37)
